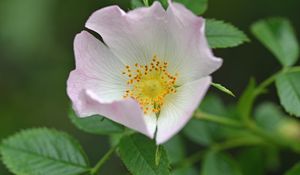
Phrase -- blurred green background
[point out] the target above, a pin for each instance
(36, 56)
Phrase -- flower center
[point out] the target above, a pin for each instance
(149, 84)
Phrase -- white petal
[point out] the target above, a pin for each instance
(178, 108)
(126, 112)
(137, 36)
(197, 58)
(96, 64)
(97, 86)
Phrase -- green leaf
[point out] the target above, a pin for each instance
(252, 161)
(95, 124)
(196, 6)
(246, 100)
(277, 34)
(137, 3)
(295, 170)
(185, 171)
(219, 163)
(288, 89)
(139, 155)
(175, 149)
(43, 152)
(222, 35)
(222, 88)
(268, 116)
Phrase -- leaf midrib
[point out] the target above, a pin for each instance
(43, 156)
(148, 163)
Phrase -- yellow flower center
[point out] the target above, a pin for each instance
(149, 84)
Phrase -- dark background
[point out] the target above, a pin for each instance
(36, 55)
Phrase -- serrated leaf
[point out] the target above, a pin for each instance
(222, 35)
(43, 152)
(196, 6)
(139, 155)
(95, 124)
(278, 36)
(288, 89)
(295, 170)
(219, 163)
(223, 89)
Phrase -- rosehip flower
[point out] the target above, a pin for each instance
(150, 72)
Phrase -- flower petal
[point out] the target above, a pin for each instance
(197, 58)
(95, 61)
(126, 34)
(178, 108)
(97, 86)
(84, 93)
(176, 36)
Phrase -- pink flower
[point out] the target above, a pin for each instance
(151, 73)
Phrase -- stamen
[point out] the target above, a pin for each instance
(149, 84)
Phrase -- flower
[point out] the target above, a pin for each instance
(149, 74)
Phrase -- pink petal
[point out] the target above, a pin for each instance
(176, 36)
(95, 61)
(97, 87)
(178, 108)
(126, 34)
(198, 60)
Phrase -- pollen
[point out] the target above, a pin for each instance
(149, 84)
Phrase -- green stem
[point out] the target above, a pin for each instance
(272, 78)
(238, 142)
(101, 162)
(226, 121)
(146, 2)
(217, 119)
(196, 157)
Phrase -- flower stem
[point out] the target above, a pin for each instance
(238, 142)
(218, 119)
(101, 162)
(272, 78)
(146, 3)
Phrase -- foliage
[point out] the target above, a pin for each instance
(223, 35)
(43, 151)
(277, 34)
(259, 132)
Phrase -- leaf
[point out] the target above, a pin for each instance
(175, 149)
(219, 163)
(95, 124)
(196, 6)
(288, 89)
(185, 171)
(277, 34)
(222, 88)
(222, 35)
(136, 4)
(252, 161)
(246, 100)
(43, 152)
(295, 170)
(138, 154)
(268, 116)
